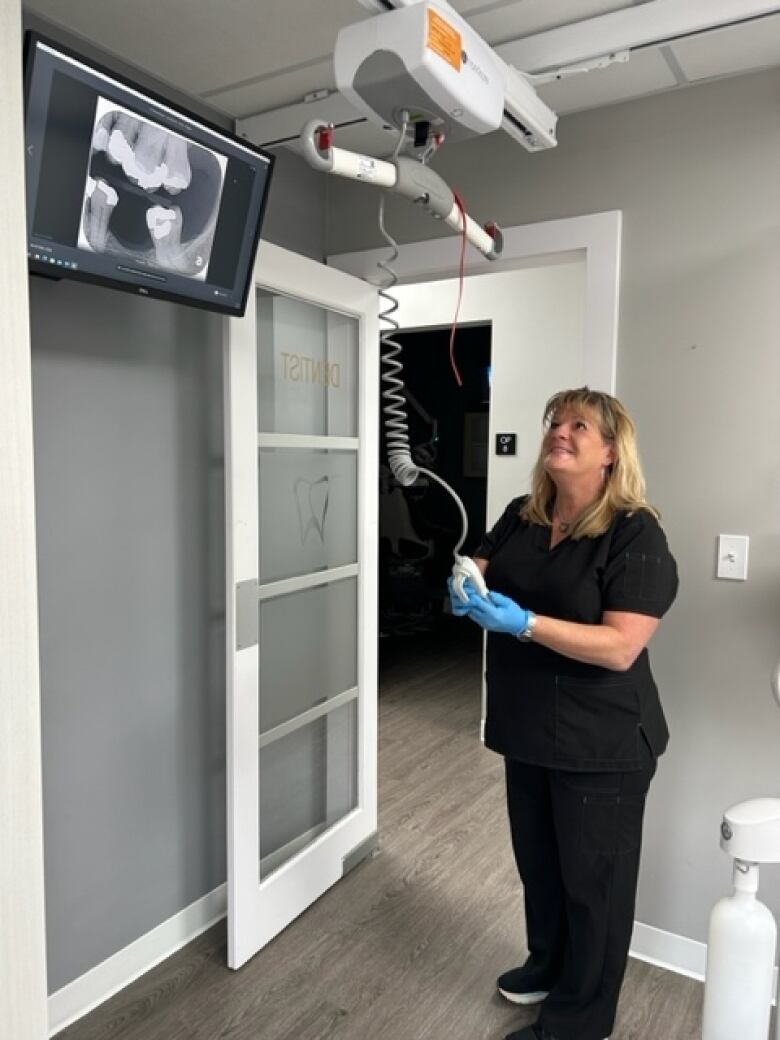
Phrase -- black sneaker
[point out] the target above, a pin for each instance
(533, 1032)
(514, 985)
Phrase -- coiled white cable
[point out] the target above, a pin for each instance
(399, 455)
(396, 424)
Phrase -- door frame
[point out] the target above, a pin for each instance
(22, 936)
(595, 237)
(282, 271)
(598, 235)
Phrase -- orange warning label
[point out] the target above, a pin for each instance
(444, 40)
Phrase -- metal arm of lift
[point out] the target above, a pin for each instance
(402, 175)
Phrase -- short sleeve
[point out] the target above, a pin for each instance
(501, 530)
(640, 575)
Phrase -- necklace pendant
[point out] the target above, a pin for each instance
(564, 526)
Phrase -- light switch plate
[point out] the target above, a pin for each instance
(732, 556)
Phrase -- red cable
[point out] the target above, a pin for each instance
(461, 206)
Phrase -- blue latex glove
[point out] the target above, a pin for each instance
(459, 608)
(498, 613)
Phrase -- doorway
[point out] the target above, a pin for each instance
(420, 525)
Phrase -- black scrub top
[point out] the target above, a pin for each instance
(547, 709)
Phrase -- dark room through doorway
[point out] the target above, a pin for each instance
(420, 525)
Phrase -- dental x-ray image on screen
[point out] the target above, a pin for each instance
(150, 196)
(128, 190)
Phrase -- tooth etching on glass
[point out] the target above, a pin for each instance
(311, 502)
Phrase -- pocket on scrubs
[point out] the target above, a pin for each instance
(642, 576)
(596, 722)
(612, 824)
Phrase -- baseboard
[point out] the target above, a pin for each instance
(673, 952)
(112, 975)
(668, 950)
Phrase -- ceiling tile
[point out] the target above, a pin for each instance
(498, 23)
(248, 56)
(726, 51)
(646, 73)
(201, 46)
(281, 89)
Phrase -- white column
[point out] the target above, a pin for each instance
(22, 936)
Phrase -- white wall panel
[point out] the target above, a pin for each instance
(22, 945)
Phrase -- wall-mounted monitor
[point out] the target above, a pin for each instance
(128, 190)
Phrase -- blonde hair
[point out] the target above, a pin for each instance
(624, 484)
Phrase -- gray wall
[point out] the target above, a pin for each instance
(125, 393)
(695, 173)
(295, 217)
(127, 397)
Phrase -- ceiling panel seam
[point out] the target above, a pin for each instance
(251, 81)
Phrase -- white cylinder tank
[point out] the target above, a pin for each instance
(740, 963)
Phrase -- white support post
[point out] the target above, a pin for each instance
(22, 937)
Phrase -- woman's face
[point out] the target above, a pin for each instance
(573, 445)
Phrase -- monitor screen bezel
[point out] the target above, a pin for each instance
(31, 39)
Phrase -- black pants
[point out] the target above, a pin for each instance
(576, 839)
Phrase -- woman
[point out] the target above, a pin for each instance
(580, 574)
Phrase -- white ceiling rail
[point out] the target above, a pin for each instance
(282, 125)
(650, 24)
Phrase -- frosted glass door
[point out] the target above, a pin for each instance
(302, 641)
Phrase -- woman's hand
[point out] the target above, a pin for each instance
(615, 643)
(497, 613)
(458, 607)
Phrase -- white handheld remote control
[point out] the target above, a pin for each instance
(464, 568)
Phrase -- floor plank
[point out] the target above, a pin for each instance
(407, 946)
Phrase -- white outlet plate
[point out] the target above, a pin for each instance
(732, 557)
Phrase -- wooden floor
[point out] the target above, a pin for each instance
(407, 946)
